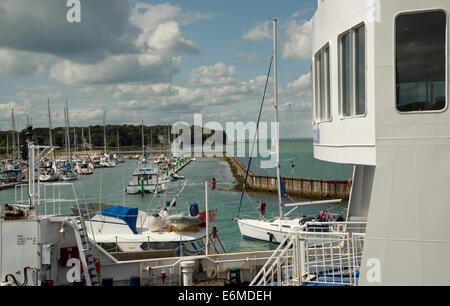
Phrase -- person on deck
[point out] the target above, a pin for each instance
(262, 210)
(324, 215)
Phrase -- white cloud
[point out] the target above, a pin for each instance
(21, 110)
(299, 40)
(301, 86)
(160, 46)
(296, 36)
(20, 63)
(260, 31)
(114, 69)
(219, 74)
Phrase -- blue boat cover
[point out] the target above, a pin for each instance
(127, 214)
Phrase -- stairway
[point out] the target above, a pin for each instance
(85, 247)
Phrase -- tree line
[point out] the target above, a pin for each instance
(129, 136)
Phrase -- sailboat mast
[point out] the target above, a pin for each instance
(277, 124)
(13, 133)
(90, 142)
(68, 133)
(104, 131)
(118, 141)
(83, 142)
(143, 140)
(65, 133)
(18, 144)
(75, 142)
(50, 136)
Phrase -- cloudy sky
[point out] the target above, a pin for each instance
(156, 61)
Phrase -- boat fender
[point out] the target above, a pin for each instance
(193, 209)
(271, 238)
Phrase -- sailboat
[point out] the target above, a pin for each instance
(143, 159)
(276, 230)
(67, 173)
(49, 173)
(105, 160)
(118, 156)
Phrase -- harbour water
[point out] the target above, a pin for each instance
(107, 186)
(300, 152)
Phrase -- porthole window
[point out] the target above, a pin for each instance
(420, 45)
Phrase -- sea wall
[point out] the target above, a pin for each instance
(304, 187)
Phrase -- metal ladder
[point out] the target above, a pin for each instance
(85, 247)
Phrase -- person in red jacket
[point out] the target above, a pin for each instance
(262, 210)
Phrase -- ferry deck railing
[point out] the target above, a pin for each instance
(326, 253)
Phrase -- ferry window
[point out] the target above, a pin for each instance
(327, 111)
(317, 86)
(421, 61)
(353, 72)
(360, 104)
(322, 85)
(346, 75)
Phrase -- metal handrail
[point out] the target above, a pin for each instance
(316, 256)
(281, 248)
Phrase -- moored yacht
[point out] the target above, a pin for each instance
(146, 180)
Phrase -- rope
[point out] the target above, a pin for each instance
(256, 133)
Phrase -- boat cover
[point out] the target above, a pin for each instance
(127, 214)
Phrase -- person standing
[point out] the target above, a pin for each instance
(262, 210)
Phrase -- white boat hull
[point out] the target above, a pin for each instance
(49, 178)
(261, 230)
(69, 177)
(135, 189)
(275, 231)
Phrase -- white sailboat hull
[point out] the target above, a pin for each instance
(262, 230)
(65, 177)
(49, 178)
(276, 230)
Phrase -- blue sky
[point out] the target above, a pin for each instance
(155, 61)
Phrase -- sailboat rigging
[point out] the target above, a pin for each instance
(275, 230)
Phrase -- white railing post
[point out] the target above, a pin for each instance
(302, 256)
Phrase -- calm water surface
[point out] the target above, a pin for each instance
(107, 186)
